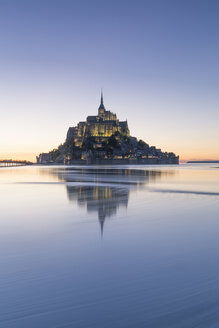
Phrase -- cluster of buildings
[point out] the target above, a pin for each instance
(101, 126)
(103, 138)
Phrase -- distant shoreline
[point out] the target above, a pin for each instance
(202, 162)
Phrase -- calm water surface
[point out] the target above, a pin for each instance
(108, 247)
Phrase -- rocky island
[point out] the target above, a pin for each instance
(103, 139)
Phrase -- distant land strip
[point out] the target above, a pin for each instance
(173, 191)
(203, 162)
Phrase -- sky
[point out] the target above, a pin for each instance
(156, 60)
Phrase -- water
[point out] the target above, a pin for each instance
(109, 247)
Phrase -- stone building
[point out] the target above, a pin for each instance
(101, 126)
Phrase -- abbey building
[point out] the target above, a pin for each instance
(101, 126)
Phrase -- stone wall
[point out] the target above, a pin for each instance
(145, 161)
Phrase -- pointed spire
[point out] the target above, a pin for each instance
(101, 107)
(101, 217)
(101, 99)
(101, 228)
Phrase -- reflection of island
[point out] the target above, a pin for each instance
(108, 175)
(104, 189)
(102, 199)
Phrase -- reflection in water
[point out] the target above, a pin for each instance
(104, 190)
(174, 191)
(102, 199)
(160, 270)
(111, 175)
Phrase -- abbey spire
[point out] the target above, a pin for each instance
(101, 99)
(101, 102)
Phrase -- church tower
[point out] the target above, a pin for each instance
(101, 109)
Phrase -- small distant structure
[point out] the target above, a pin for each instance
(11, 162)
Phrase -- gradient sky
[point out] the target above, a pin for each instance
(157, 62)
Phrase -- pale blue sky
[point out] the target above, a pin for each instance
(157, 62)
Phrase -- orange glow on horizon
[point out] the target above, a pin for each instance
(29, 156)
(19, 156)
